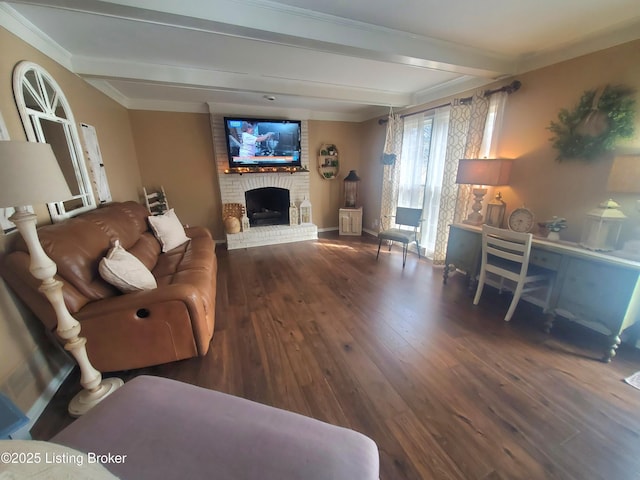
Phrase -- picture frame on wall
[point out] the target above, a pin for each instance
(6, 225)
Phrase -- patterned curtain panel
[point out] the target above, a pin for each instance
(466, 128)
(390, 174)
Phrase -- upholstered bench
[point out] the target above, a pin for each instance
(172, 430)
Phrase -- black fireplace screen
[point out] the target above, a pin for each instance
(267, 206)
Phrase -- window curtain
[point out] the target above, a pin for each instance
(416, 135)
(433, 186)
(390, 174)
(493, 125)
(464, 139)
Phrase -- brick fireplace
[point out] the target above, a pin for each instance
(233, 189)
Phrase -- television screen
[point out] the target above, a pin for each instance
(262, 143)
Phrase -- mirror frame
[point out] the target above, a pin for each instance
(31, 121)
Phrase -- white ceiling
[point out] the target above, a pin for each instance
(329, 59)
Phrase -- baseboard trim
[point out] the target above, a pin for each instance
(45, 397)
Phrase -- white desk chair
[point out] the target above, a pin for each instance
(506, 254)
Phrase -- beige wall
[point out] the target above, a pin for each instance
(327, 195)
(568, 189)
(571, 188)
(175, 150)
(373, 135)
(26, 363)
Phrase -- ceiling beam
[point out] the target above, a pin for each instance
(271, 22)
(231, 81)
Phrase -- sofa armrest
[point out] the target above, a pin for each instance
(134, 330)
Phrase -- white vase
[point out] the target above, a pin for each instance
(553, 236)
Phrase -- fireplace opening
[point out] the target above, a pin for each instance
(267, 206)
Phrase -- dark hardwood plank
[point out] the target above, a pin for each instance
(447, 390)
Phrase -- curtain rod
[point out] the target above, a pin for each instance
(512, 87)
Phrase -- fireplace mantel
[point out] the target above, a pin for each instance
(249, 170)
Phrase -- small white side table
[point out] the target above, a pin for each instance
(350, 220)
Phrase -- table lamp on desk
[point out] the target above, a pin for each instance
(483, 172)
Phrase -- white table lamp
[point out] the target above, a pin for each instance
(31, 176)
(481, 172)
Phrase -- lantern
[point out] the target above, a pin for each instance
(495, 211)
(305, 212)
(351, 183)
(603, 227)
(293, 214)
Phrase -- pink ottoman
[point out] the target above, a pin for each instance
(168, 429)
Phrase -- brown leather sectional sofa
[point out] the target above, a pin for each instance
(125, 330)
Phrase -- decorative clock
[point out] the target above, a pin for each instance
(521, 220)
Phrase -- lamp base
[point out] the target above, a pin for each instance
(475, 217)
(87, 399)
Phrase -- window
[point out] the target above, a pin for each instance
(47, 118)
(416, 140)
(424, 144)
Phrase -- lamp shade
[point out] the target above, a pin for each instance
(484, 171)
(30, 175)
(624, 176)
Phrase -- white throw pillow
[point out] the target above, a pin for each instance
(125, 272)
(168, 230)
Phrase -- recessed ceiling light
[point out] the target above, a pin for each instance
(271, 98)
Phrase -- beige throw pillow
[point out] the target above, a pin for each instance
(125, 272)
(168, 230)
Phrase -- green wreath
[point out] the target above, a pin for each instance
(597, 122)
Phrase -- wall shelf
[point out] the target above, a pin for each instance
(328, 161)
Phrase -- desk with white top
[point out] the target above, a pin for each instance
(595, 289)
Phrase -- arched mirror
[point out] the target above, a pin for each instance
(47, 118)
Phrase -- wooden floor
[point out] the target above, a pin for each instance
(447, 390)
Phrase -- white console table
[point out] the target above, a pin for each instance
(598, 290)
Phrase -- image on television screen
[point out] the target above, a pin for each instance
(252, 142)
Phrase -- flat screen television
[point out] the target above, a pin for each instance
(253, 142)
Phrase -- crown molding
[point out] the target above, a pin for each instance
(448, 89)
(168, 106)
(17, 24)
(281, 112)
(113, 93)
(601, 40)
